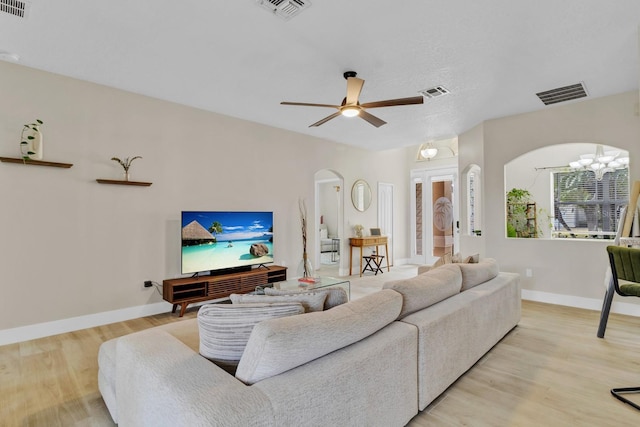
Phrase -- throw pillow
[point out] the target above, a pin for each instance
(335, 296)
(444, 259)
(471, 259)
(224, 329)
(313, 301)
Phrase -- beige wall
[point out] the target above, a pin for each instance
(572, 269)
(71, 247)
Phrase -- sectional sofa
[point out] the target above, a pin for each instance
(374, 361)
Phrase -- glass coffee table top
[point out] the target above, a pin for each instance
(321, 282)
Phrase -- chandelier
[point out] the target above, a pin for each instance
(601, 162)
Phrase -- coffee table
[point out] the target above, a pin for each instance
(322, 282)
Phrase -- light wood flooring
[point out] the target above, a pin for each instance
(549, 371)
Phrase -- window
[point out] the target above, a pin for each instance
(473, 201)
(585, 207)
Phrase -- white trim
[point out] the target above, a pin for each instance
(581, 302)
(39, 330)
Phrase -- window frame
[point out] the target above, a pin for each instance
(609, 204)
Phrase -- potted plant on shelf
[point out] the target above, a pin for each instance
(31, 141)
(126, 164)
(521, 214)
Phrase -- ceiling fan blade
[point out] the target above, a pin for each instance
(306, 104)
(372, 119)
(354, 87)
(325, 120)
(394, 102)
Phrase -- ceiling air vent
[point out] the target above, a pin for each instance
(562, 94)
(285, 9)
(15, 7)
(434, 92)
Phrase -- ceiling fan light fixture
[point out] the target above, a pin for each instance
(350, 111)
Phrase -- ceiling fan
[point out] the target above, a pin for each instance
(351, 106)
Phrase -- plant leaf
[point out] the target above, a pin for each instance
(39, 121)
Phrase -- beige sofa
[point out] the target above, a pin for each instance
(375, 361)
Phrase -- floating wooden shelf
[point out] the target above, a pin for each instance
(35, 162)
(123, 182)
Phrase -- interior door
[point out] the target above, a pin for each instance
(434, 213)
(442, 214)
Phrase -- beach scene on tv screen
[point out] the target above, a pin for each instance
(217, 240)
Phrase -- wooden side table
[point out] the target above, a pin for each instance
(361, 242)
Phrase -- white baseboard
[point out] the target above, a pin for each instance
(31, 332)
(581, 302)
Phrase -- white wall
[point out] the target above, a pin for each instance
(571, 270)
(71, 247)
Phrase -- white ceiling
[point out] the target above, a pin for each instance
(234, 57)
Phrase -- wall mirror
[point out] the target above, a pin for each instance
(361, 195)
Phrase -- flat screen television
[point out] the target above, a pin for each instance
(225, 240)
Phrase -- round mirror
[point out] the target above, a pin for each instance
(361, 195)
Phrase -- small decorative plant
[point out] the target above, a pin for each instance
(29, 132)
(126, 164)
(519, 214)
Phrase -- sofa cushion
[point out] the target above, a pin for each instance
(311, 301)
(475, 274)
(225, 328)
(107, 376)
(335, 296)
(428, 288)
(278, 345)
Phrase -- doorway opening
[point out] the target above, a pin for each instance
(329, 193)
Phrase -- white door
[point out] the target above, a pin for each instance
(424, 222)
(385, 215)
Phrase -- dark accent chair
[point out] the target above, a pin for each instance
(625, 265)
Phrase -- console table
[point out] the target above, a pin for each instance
(361, 242)
(187, 290)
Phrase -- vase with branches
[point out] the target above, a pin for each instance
(126, 164)
(306, 269)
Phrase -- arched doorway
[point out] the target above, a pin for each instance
(329, 203)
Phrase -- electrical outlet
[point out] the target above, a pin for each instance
(148, 283)
(528, 272)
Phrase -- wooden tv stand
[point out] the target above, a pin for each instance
(188, 290)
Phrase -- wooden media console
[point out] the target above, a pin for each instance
(189, 290)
